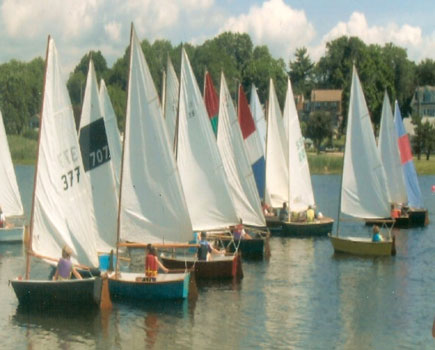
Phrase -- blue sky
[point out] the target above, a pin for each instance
(284, 25)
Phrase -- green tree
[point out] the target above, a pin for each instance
(425, 73)
(319, 127)
(419, 135)
(302, 72)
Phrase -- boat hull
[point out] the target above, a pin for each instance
(166, 287)
(319, 227)
(68, 293)
(222, 267)
(12, 234)
(414, 218)
(362, 246)
(249, 248)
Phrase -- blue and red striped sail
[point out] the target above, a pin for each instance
(252, 142)
(411, 181)
(211, 100)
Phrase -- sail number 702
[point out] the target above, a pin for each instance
(68, 178)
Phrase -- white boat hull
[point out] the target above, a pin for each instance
(362, 246)
(12, 234)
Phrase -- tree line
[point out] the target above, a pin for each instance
(381, 68)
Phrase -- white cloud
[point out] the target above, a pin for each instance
(113, 30)
(276, 25)
(406, 36)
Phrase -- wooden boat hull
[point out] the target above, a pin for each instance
(319, 227)
(44, 293)
(362, 246)
(222, 267)
(249, 248)
(12, 234)
(414, 218)
(166, 287)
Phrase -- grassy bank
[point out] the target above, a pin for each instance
(332, 163)
(23, 150)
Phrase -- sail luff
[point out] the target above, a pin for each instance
(276, 154)
(62, 211)
(363, 192)
(389, 150)
(259, 117)
(201, 169)
(152, 206)
(300, 189)
(171, 101)
(237, 167)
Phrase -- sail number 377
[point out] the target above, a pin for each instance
(71, 177)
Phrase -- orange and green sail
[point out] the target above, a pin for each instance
(211, 100)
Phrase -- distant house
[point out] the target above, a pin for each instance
(423, 105)
(328, 101)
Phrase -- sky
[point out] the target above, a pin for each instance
(283, 25)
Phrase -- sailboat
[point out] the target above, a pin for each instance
(211, 100)
(203, 177)
(415, 213)
(96, 155)
(10, 198)
(152, 209)
(259, 119)
(112, 131)
(364, 192)
(62, 211)
(240, 175)
(300, 195)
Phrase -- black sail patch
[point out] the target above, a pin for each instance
(93, 145)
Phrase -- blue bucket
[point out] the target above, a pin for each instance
(104, 261)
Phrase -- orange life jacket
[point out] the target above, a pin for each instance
(151, 267)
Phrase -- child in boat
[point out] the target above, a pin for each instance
(205, 248)
(65, 267)
(152, 264)
(283, 213)
(239, 232)
(376, 235)
(310, 214)
(266, 209)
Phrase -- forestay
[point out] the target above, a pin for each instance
(276, 154)
(10, 198)
(201, 169)
(364, 192)
(171, 101)
(258, 115)
(112, 131)
(96, 155)
(300, 189)
(235, 159)
(152, 206)
(62, 209)
(390, 155)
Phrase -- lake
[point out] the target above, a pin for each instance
(303, 297)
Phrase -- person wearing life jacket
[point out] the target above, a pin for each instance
(205, 248)
(240, 233)
(152, 264)
(310, 214)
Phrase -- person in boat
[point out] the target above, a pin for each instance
(266, 209)
(310, 214)
(152, 264)
(205, 248)
(376, 234)
(65, 267)
(283, 213)
(2, 219)
(239, 232)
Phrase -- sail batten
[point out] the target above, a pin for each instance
(364, 192)
(152, 205)
(201, 169)
(237, 167)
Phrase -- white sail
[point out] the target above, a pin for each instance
(152, 205)
(96, 155)
(258, 114)
(112, 131)
(300, 189)
(201, 169)
(390, 155)
(276, 154)
(235, 159)
(171, 101)
(10, 198)
(364, 191)
(62, 210)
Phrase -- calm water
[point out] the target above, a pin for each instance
(304, 297)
